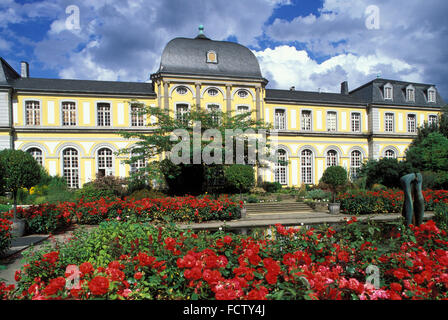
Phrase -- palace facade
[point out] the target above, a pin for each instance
(70, 126)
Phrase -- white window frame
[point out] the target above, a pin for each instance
(388, 88)
(72, 179)
(355, 163)
(75, 112)
(283, 124)
(389, 150)
(280, 170)
(432, 95)
(140, 121)
(432, 116)
(179, 104)
(353, 121)
(330, 129)
(39, 158)
(408, 123)
(306, 166)
(217, 118)
(410, 93)
(306, 122)
(333, 159)
(386, 120)
(104, 114)
(36, 113)
(105, 158)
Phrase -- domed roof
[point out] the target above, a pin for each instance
(205, 57)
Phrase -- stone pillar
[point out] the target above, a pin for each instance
(228, 99)
(258, 102)
(198, 95)
(166, 95)
(159, 94)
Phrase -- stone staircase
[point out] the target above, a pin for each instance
(265, 209)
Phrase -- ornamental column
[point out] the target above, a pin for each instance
(198, 96)
(228, 99)
(258, 101)
(166, 95)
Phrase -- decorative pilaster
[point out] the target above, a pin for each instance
(198, 95)
(228, 99)
(166, 95)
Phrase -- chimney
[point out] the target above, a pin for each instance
(344, 87)
(292, 88)
(24, 69)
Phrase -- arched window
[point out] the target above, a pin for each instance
(389, 154)
(138, 164)
(70, 167)
(355, 163)
(37, 154)
(281, 167)
(332, 158)
(306, 166)
(105, 161)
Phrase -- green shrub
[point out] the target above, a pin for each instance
(240, 176)
(271, 187)
(90, 192)
(319, 194)
(334, 178)
(252, 199)
(441, 214)
(146, 194)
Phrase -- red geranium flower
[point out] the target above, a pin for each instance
(99, 285)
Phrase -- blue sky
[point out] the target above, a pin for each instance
(306, 44)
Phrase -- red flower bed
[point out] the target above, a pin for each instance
(385, 201)
(50, 217)
(5, 231)
(297, 264)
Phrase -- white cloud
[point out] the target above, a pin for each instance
(285, 66)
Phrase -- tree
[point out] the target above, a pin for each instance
(334, 178)
(21, 170)
(431, 155)
(240, 176)
(385, 171)
(192, 170)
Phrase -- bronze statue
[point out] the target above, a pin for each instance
(414, 205)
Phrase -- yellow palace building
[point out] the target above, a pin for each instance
(70, 126)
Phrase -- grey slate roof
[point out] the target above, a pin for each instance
(310, 97)
(83, 86)
(372, 92)
(188, 56)
(7, 73)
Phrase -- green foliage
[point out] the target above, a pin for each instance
(252, 199)
(146, 194)
(103, 187)
(384, 171)
(271, 187)
(318, 194)
(334, 178)
(441, 214)
(20, 170)
(240, 177)
(431, 154)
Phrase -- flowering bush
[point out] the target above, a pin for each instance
(385, 201)
(142, 261)
(5, 232)
(50, 217)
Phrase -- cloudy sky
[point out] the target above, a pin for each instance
(306, 44)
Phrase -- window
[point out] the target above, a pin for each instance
(105, 161)
(70, 167)
(356, 122)
(432, 120)
(412, 123)
(410, 94)
(182, 112)
(306, 120)
(242, 109)
(306, 166)
(215, 110)
(212, 57)
(431, 95)
(103, 114)
(389, 122)
(68, 113)
(212, 92)
(332, 158)
(182, 90)
(32, 113)
(355, 163)
(138, 164)
(331, 121)
(280, 119)
(389, 154)
(388, 93)
(242, 93)
(280, 167)
(137, 117)
(37, 154)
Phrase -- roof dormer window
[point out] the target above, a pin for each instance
(410, 93)
(431, 94)
(212, 57)
(388, 91)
